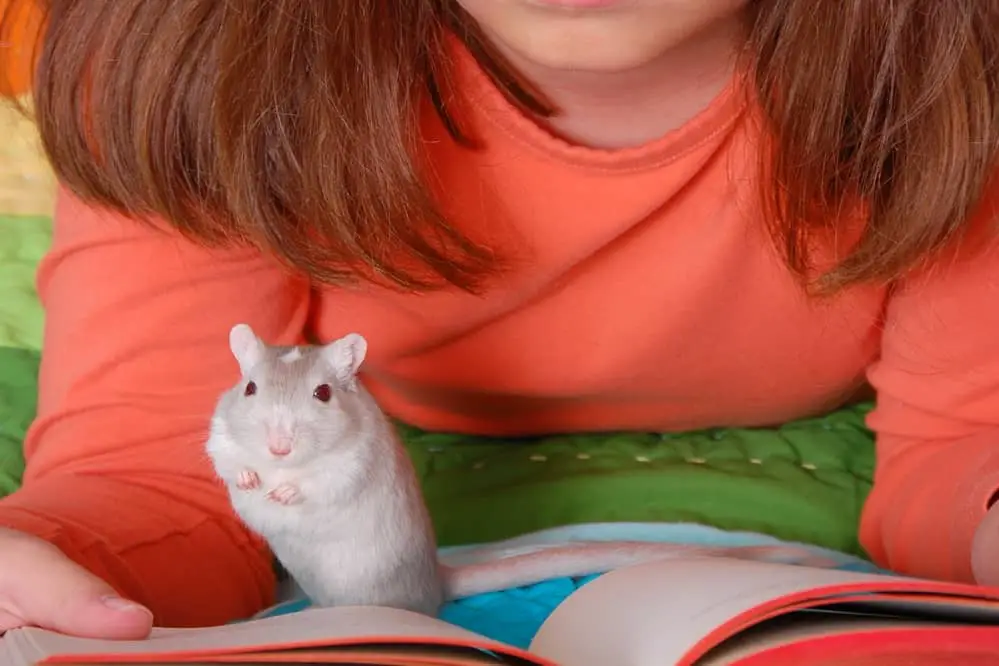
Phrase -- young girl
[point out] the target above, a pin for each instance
(545, 215)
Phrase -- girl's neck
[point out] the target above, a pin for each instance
(629, 108)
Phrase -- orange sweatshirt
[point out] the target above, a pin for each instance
(651, 300)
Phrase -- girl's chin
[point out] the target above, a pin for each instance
(579, 4)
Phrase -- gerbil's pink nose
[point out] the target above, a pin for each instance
(279, 445)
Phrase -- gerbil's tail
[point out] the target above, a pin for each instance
(594, 557)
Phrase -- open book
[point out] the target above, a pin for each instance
(691, 610)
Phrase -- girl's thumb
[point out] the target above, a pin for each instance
(49, 590)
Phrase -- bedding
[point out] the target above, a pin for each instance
(23, 239)
(514, 616)
(804, 482)
(26, 192)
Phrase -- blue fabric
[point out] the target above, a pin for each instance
(514, 616)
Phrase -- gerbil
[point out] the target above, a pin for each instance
(315, 467)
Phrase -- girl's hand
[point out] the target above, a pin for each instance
(985, 549)
(41, 587)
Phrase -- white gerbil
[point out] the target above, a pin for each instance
(315, 467)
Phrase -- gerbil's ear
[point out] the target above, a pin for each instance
(246, 346)
(346, 355)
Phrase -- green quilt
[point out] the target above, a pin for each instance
(805, 481)
(23, 240)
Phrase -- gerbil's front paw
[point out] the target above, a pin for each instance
(247, 480)
(285, 493)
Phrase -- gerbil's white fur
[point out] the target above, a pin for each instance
(294, 355)
(342, 510)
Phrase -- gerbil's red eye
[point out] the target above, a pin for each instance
(251, 389)
(323, 393)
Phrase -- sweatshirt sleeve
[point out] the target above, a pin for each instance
(135, 354)
(937, 412)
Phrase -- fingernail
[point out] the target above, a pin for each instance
(124, 605)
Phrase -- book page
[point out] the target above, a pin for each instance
(318, 627)
(670, 612)
(378, 655)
